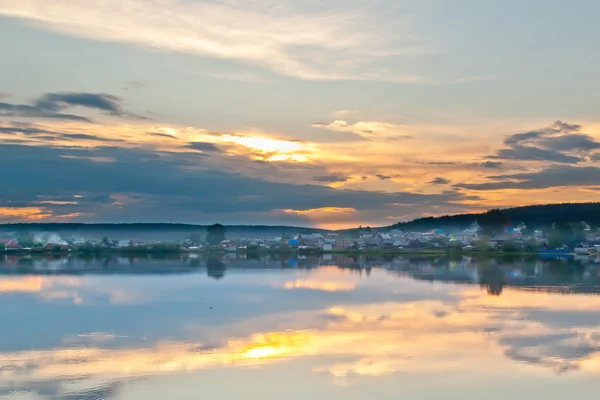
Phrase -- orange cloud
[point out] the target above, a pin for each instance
(321, 210)
(24, 213)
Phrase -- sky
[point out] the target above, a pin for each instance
(353, 112)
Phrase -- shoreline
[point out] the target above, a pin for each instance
(376, 252)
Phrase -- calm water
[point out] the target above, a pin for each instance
(334, 328)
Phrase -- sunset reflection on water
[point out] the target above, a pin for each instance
(333, 328)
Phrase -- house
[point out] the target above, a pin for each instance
(12, 244)
(400, 244)
(293, 242)
(5, 239)
(76, 240)
(582, 248)
(514, 233)
(56, 247)
(345, 244)
(327, 246)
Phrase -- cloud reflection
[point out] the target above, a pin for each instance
(468, 332)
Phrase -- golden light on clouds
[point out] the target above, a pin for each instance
(266, 148)
(324, 210)
(24, 213)
(409, 158)
(36, 213)
(368, 129)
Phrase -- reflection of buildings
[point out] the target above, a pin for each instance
(548, 275)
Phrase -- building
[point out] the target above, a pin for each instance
(345, 244)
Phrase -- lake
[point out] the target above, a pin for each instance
(338, 327)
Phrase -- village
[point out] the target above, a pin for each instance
(518, 239)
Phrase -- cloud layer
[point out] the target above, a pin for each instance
(291, 39)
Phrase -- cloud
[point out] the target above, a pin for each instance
(204, 147)
(383, 177)
(330, 178)
(528, 153)
(367, 129)
(322, 210)
(571, 142)
(179, 187)
(35, 132)
(324, 43)
(560, 142)
(492, 164)
(27, 111)
(134, 85)
(159, 134)
(440, 181)
(52, 105)
(59, 101)
(84, 136)
(26, 129)
(554, 176)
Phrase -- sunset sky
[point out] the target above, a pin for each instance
(329, 114)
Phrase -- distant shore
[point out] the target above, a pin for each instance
(315, 252)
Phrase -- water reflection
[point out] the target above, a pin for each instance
(113, 327)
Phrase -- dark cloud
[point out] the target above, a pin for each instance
(330, 178)
(557, 128)
(383, 177)
(52, 105)
(573, 142)
(440, 163)
(529, 153)
(440, 181)
(492, 164)
(158, 134)
(60, 101)
(178, 187)
(24, 129)
(595, 157)
(204, 147)
(26, 111)
(560, 142)
(84, 136)
(38, 133)
(549, 177)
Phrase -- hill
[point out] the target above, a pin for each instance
(536, 216)
(152, 231)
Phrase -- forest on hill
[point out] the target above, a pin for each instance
(536, 217)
